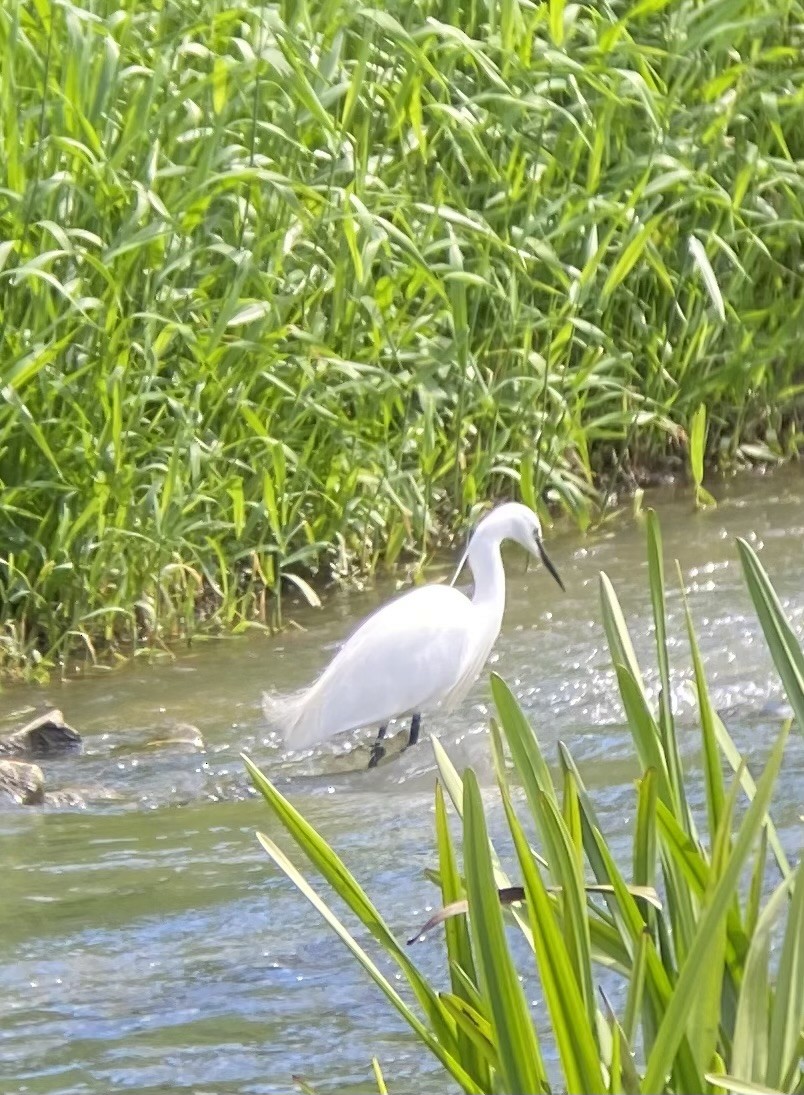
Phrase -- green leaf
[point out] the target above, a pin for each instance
(521, 1066)
(714, 774)
(698, 444)
(752, 1020)
(636, 986)
(645, 831)
(459, 947)
(557, 21)
(623, 1076)
(332, 868)
(787, 1014)
(282, 861)
(739, 1087)
(378, 1076)
(703, 1020)
(628, 257)
(620, 645)
(475, 1031)
(738, 766)
(672, 1025)
(644, 732)
(784, 647)
(219, 74)
(666, 722)
(574, 1037)
(454, 787)
(564, 864)
(704, 266)
(525, 751)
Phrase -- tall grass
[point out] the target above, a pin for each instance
(687, 927)
(292, 284)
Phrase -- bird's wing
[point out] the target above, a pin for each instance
(406, 657)
(483, 638)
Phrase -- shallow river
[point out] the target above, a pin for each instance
(146, 942)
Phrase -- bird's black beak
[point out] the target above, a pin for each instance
(548, 565)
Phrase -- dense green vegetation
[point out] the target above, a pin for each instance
(688, 926)
(304, 282)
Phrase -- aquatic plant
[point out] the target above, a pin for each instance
(296, 285)
(687, 925)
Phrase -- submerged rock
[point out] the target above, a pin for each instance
(184, 733)
(42, 736)
(66, 797)
(23, 783)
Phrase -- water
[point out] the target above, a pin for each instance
(146, 942)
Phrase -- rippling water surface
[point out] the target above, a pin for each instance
(146, 942)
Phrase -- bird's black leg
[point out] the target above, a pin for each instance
(378, 749)
(415, 724)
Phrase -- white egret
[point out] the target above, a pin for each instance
(419, 652)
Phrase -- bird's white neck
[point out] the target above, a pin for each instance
(487, 569)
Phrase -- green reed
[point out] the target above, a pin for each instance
(294, 287)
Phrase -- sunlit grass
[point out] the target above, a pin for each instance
(298, 285)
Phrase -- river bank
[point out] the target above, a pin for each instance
(289, 295)
(295, 596)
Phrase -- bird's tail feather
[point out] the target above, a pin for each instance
(282, 711)
(294, 716)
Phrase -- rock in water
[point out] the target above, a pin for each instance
(42, 736)
(183, 733)
(65, 798)
(23, 783)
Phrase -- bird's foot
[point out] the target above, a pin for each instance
(377, 753)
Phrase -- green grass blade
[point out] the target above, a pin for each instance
(688, 855)
(623, 1076)
(739, 1087)
(563, 861)
(659, 987)
(521, 1065)
(738, 766)
(332, 868)
(645, 733)
(378, 1076)
(475, 1030)
(454, 787)
(566, 867)
(671, 1030)
(698, 444)
(715, 794)
(285, 865)
(785, 649)
(619, 640)
(574, 1036)
(645, 831)
(525, 752)
(703, 1021)
(636, 986)
(459, 947)
(787, 1015)
(749, 1058)
(666, 722)
(449, 775)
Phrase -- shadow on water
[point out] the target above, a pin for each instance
(146, 944)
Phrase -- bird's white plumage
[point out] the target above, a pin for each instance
(410, 655)
(421, 651)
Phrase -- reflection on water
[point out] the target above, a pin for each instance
(146, 944)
